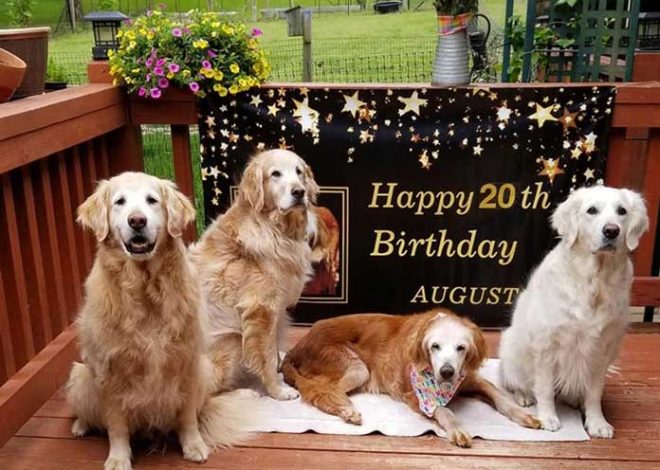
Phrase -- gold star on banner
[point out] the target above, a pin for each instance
(414, 138)
(576, 152)
(256, 101)
(352, 104)
(492, 96)
(589, 174)
(503, 113)
(550, 169)
(366, 137)
(543, 114)
(411, 104)
(303, 90)
(233, 137)
(214, 172)
(272, 110)
(210, 121)
(307, 117)
(424, 160)
(210, 134)
(568, 119)
(281, 103)
(589, 144)
(477, 150)
(281, 92)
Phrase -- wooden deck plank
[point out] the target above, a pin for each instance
(36, 454)
(631, 403)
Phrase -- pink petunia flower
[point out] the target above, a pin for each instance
(148, 77)
(194, 87)
(206, 64)
(156, 93)
(174, 68)
(142, 91)
(159, 71)
(257, 32)
(211, 53)
(149, 62)
(160, 62)
(176, 32)
(163, 82)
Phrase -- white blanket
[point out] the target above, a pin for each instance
(380, 413)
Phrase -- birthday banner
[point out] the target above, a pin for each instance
(432, 196)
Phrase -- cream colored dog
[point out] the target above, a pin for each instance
(141, 330)
(254, 261)
(569, 322)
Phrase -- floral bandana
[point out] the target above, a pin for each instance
(430, 394)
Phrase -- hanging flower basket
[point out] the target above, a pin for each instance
(203, 53)
(451, 67)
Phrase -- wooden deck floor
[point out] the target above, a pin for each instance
(632, 405)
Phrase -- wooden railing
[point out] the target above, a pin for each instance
(53, 149)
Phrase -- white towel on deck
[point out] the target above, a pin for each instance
(380, 413)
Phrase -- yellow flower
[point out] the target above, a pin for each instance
(242, 83)
(215, 24)
(228, 29)
(234, 68)
(111, 52)
(186, 73)
(222, 91)
(218, 75)
(201, 44)
(114, 82)
(214, 34)
(136, 70)
(170, 75)
(150, 35)
(252, 43)
(120, 33)
(208, 73)
(233, 89)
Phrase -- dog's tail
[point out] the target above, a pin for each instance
(230, 418)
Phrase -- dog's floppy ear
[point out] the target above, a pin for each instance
(93, 213)
(478, 350)
(251, 188)
(180, 211)
(639, 219)
(311, 188)
(565, 218)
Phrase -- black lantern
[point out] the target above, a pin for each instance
(105, 24)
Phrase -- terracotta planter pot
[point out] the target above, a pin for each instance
(31, 45)
(12, 70)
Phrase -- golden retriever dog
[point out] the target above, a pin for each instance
(376, 353)
(325, 254)
(569, 321)
(254, 261)
(141, 329)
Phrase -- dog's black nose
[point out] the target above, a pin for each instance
(611, 231)
(298, 193)
(137, 220)
(446, 372)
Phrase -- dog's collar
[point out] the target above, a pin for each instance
(430, 394)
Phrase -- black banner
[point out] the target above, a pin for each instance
(432, 196)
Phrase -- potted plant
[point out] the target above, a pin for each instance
(30, 44)
(203, 53)
(56, 76)
(12, 70)
(451, 57)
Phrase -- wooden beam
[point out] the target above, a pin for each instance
(645, 292)
(183, 169)
(35, 383)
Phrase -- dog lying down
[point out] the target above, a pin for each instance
(142, 336)
(569, 322)
(421, 360)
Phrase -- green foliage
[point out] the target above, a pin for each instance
(55, 72)
(455, 7)
(545, 38)
(20, 12)
(204, 53)
(107, 5)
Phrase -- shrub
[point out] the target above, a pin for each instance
(20, 12)
(455, 7)
(203, 53)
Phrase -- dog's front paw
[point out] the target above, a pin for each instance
(523, 399)
(114, 463)
(459, 438)
(351, 417)
(79, 429)
(550, 422)
(283, 392)
(196, 451)
(530, 421)
(599, 427)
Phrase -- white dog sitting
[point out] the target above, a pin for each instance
(569, 322)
